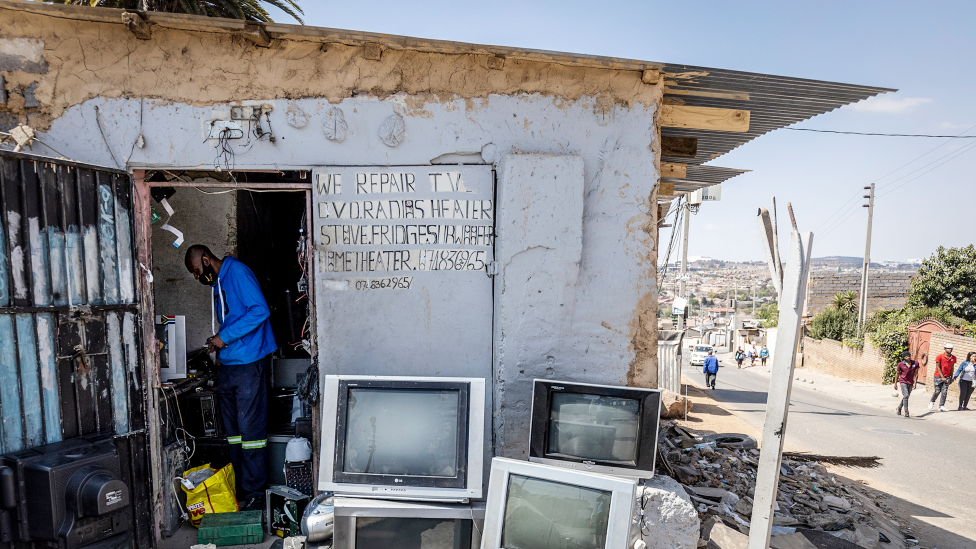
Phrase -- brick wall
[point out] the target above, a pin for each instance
(962, 345)
(830, 357)
(886, 290)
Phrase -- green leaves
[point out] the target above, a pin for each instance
(947, 280)
(835, 323)
(769, 314)
(249, 10)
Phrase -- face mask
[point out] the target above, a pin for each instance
(208, 277)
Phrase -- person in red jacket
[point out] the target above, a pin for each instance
(907, 377)
(945, 365)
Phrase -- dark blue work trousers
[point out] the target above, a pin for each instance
(243, 393)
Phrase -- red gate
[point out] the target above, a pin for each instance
(919, 338)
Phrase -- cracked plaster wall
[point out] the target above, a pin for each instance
(576, 152)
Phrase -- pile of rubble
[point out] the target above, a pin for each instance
(719, 474)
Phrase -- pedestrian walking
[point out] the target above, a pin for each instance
(944, 366)
(907, 378)
(967, 377)
(710, 369)
(763, 355)
(752, 356)
(740, 355)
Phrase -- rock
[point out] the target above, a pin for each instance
(716, 494)
(782, 520)
(670, 520)
(723, 537)
(866, 536)
(673, 405)
(835, 501)
(686, 474)
(744, 507)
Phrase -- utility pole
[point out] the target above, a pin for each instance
(753, 301)
(862, 311)
(684, 261)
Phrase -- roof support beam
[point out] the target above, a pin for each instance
(704, 118)
(681, 147)
(674, 170)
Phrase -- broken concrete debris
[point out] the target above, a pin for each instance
(719, 474)
(664, 516)
(673, 405)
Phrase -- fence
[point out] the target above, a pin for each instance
(669, 360)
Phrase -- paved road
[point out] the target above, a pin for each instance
(929, 464)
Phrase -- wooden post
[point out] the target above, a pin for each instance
(791, 299)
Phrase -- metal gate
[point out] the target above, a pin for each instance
(669, 360)
(919, 338)
(69, 339)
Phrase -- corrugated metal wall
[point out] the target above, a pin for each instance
(69, 345)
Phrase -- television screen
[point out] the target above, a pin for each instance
(542, 514)
(402, 432)
(403, 437)
(595, 428)
(413, 533)
(539, 506)
(362, 523)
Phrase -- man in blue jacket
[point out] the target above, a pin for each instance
(243, 345)
(710, 369)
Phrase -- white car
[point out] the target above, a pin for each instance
(699, 353)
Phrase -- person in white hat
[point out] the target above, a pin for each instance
(945, 365)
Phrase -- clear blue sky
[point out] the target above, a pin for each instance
(926, 50)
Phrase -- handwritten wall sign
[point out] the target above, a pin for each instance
(401, 222)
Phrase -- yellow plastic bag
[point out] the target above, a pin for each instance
(213, 495)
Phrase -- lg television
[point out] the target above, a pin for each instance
(598, 428)
(383, 524)
(537, 506)
(411, 438)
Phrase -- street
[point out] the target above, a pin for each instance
(925, 463)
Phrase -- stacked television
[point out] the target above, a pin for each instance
(404, 457)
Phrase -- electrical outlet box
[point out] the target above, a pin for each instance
(227, 129)
(247, 112)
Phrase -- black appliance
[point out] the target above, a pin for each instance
(200, 413)
(65, 495)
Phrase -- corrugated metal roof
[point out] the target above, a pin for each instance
(702, 176)
(773, 102)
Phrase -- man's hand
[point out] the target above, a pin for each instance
(214, 343)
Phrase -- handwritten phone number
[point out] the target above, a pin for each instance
(391, 283)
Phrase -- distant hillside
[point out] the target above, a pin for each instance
(838, 259)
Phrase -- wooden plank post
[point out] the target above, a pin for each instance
(780, 385)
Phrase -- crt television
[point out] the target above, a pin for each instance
(411, 438)
(383, 524)
(532, 505)
(596, 428)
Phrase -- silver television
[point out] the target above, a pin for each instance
(408, 438)
(171, 331)
(597, 428)
(384, 524)
(537, 506)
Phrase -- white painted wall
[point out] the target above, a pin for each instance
(573, 209)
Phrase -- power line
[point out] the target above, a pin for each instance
(952, 156)
(886, 134)
(964, 150)
(841, 210)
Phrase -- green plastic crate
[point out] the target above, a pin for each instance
(240, 528)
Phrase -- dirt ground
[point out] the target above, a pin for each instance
(706, 417)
